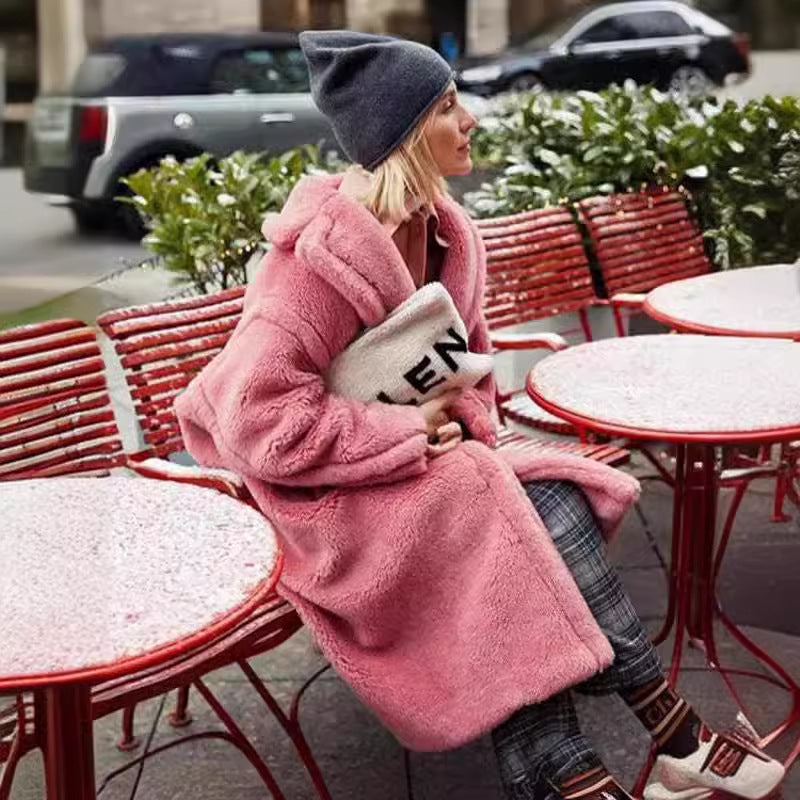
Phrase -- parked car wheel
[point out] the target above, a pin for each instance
(90, 219)
(690, 81)
(128, 220)
(525, 82)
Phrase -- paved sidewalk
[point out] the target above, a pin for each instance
(361, 761)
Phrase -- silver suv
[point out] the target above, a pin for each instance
(136, 99)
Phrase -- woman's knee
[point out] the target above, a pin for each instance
(561, 505)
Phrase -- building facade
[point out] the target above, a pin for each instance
(45, 39)
(59, 30)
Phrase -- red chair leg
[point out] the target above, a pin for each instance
(785, 485)
(619, 323)
(586, 326)
(128, 741)
(180, 717)
(291, 724)
(9, 768)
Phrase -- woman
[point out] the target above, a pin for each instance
(456, 592)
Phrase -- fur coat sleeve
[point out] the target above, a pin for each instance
(262, 408)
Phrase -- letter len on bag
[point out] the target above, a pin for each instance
(418, 352)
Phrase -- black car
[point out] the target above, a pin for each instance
(660, 42)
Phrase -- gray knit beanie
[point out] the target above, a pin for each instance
(373, 89)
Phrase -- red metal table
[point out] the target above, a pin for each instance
(697, 392)
(758, 301)
(103, 577)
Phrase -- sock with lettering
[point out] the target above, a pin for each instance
(668, 718)
(596, 784)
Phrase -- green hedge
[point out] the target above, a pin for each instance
(741, 164)
(204, 215)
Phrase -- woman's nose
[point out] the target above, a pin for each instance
(468, 122)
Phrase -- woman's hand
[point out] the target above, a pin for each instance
(447, 437)
(435, 412)
(443, 433)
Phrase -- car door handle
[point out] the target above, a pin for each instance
(613, 56)
(267, 119)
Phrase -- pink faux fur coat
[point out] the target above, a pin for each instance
(430, 584)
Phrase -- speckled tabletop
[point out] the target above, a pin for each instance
(717, 388)
(95, 570)
(762, 301)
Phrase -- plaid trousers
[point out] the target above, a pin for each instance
(542, 745)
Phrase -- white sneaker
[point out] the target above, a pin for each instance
(725, 766)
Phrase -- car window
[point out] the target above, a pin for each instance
(260, 71)
(96, 72)
(656, 24)
(611, 29)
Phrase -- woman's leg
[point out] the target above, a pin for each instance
(568, 518)
(540, 745)
(691, 755)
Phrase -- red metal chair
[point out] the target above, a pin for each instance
(56, 418)
(536, 268)
(641, 240)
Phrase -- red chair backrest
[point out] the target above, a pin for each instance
(643, 239)
(536, 266)
(161, 347)
(56, 416)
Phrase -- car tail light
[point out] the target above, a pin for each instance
(93, 124)
(741, 41)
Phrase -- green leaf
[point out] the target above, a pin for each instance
(757, 209)
(548, 156)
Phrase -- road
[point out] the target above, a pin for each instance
(41, 256)
(775, 73)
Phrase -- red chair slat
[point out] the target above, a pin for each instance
(643, 239)
(32, 435)
(169, 317)
(186, 332)
(38, 414)
(178, 381)
(111, 318)
(191, 365)
(50, 343)
(40, 330)
(56, 415)
(139, 353)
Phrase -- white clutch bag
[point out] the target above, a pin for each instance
(419, 351)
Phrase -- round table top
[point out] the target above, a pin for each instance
(686, 388)
(758, 301)
(103, 576)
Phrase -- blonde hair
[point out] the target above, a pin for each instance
(410, 172)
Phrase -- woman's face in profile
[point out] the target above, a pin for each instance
(448, 135)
